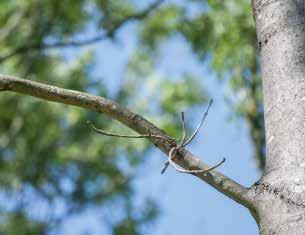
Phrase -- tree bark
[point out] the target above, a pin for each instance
(279, 196)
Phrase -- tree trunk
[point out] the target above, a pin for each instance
(279, 197)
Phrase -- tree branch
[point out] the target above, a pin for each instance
(134, 121)
(78, 43)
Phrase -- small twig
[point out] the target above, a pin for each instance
(183, 130)
(200, 124)
(180, 169)
(171, 154)
(149, 135)
(184, 143)
(166, 164)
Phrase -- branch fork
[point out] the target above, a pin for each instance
(175, 148)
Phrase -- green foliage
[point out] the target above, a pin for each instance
(159, 27)
(222, 34)
(47, 152)
(114, 11)
(25, 226)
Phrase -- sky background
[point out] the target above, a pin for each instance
(187, 205)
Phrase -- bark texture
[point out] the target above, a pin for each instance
(279, 197)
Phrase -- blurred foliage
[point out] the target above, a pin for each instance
(48, 156)
(222, 34)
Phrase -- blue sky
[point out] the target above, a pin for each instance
(188, 206)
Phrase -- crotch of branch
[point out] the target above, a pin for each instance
(175, 149)
(184, 142)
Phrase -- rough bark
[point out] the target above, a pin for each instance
(279, 196)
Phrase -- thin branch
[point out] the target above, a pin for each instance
(200, 124)
(183, 130)
(184, 143)
(166, 164)
(149, 135)
(136, 122)
(78, 43)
